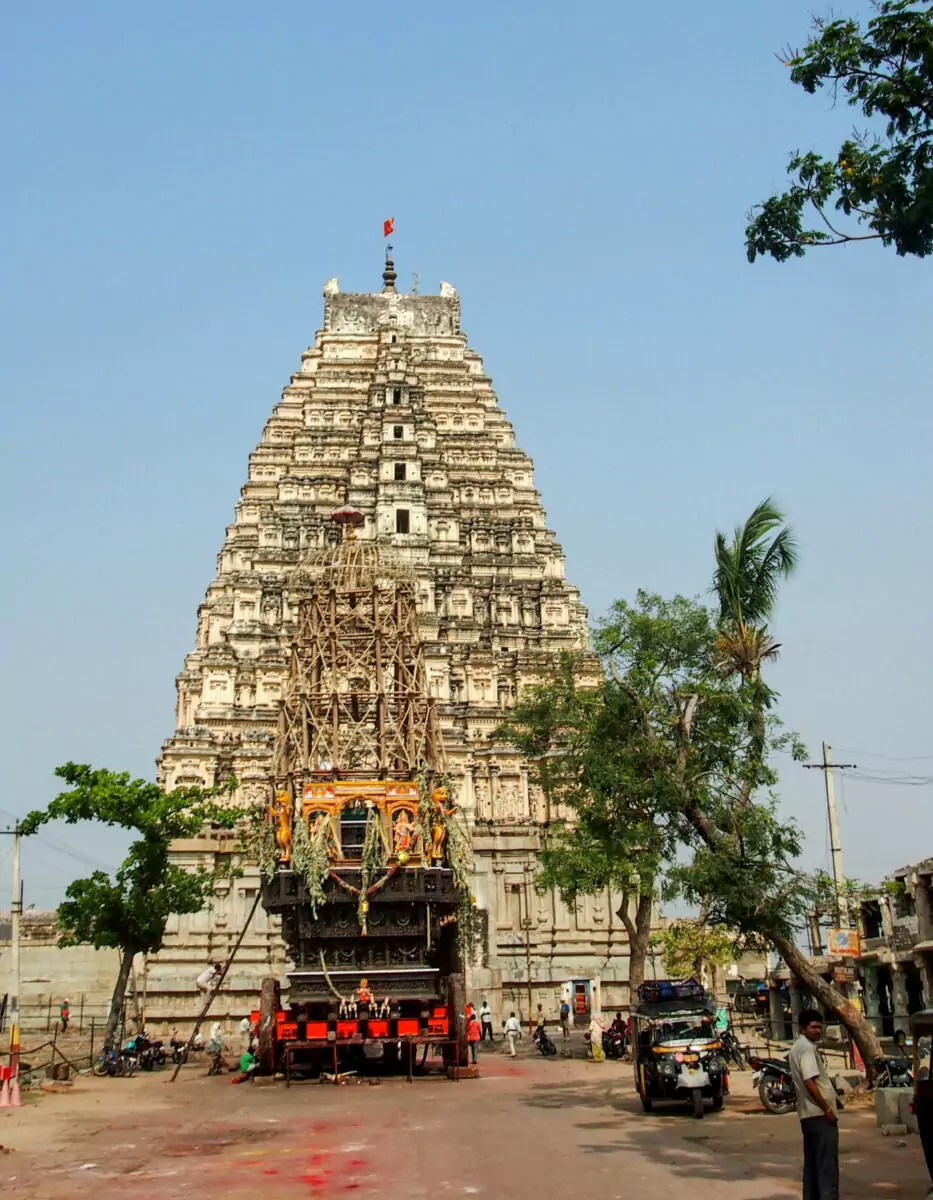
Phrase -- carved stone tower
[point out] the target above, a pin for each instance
(392, 413)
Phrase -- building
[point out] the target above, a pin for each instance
(392, 413)
(896, 963)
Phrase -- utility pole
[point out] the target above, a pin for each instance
(827, 766)
(16, 913)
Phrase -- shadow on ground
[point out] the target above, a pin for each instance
(731, 1146)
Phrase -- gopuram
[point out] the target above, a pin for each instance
(392, 415)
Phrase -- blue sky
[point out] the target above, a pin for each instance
(180, 182)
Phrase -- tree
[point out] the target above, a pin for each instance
(682, 749)
(695, 948)
(604, 756)
(735, 833)
(129, 912)
(879, 186)
(748, 572)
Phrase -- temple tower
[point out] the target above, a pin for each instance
(392, 414)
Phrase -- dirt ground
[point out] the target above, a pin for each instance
(530, 1127)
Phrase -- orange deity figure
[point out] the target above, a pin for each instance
(403, 832)
(439, 826)
(282, 820)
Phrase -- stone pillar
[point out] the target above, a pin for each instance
(870, 997)
(924, 908)
(899, 997)
(924, 963)
(776, 1013)
(796, 1005)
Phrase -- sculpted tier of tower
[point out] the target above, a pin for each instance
(392, 413)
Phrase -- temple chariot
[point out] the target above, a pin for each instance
(361, 848)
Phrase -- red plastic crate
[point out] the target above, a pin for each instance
(378, 1029)
(254, 1017)
(440, 1011)
(437, 1025)
(281, 1017)
(406, 1026)
(287, 1030)
(317, 1029)
(347, 1028)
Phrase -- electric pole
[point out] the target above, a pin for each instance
(16, 912)
(827, 766)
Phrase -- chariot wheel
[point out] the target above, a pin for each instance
(268, 1009)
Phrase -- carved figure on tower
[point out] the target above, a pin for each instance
(282, 820)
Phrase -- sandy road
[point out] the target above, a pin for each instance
(533, 1128)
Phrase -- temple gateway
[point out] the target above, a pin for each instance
(392, 414)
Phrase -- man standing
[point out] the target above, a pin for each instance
(816, 1108)
(565, 1019)
(513, 1031)
(65, 1013)
(485, 1020)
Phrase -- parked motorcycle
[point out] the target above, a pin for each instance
(112, 1062)
(893, 1073)
(775, 1085)
(179, 1050)
(614, 1044)
(544, 1044)
(731, 1050)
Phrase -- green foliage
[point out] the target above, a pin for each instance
(879, 186)
(458, 851)
(750, 568)
(131, 910)
(257, 840)
(689, 946)
(311, 858)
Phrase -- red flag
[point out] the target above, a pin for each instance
(388, 227)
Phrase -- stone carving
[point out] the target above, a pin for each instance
(484, 633)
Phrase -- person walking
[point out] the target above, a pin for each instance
(473, 1035)
(565, 1019)
(65, 1013)
(816, 1108)
(485, 1020)
(513, 1031)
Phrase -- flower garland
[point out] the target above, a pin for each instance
(311, 858)
(459, 851)
(257, 840)
(363, 906)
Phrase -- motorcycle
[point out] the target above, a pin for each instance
(147, 1054)
(544, 1044)
(614, 1044)
(731, 1050)
(775, 1086)
(111, 1062)
(179, 1050)
(893, 1073)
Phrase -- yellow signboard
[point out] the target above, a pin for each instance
(845, 942)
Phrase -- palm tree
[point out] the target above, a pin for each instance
(749, 570)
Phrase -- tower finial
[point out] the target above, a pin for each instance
(388, 275)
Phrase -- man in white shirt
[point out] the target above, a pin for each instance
(206, 980)
(485, 1021)
(513, 1031)
(816, 1108)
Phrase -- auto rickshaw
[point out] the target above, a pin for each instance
(921, 1028)
(675, 1046)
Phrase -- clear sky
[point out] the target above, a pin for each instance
(180, 180)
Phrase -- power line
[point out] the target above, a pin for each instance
(888, 757)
